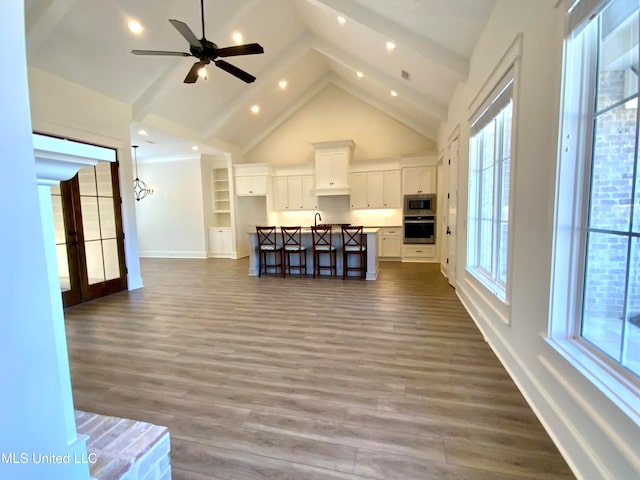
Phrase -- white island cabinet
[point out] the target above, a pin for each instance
(371, 239)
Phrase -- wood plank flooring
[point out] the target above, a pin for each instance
(301, 379)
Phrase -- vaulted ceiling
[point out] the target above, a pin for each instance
(89, 43)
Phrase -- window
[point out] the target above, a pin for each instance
(595, 316)
(489, 188)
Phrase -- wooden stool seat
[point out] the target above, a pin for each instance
(322, 245)
(267, 243)
(353, 245)
(292, 244)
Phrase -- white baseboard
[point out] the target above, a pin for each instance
(172, 254)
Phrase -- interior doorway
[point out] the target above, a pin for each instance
(89, 236)
(452, 207)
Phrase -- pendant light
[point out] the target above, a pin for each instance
(140, 189)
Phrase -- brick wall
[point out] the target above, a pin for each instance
(611, 201)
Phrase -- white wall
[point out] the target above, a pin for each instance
(62, 108)
(171, 221)
(36, 409)
(596, 438)
(334, 114)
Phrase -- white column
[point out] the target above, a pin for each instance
(36, 409)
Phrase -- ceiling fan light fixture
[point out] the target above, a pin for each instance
(135, 26)
(391, 46)
(282, 84)
(359, 74)
(255, 109)
(237, 38)
(394, 93)
(341, 20)
(202, 73)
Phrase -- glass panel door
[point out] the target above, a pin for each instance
(89, 236)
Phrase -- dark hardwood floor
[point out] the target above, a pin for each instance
(301, 379)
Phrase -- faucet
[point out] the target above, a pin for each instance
(316, 218)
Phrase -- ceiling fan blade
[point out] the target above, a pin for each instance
(248, 49)
(160, 52)
(235, 71)
(192, 76)
(186, 32)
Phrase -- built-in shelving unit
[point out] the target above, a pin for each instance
(221, 197)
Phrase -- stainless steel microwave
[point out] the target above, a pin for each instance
(423, 204)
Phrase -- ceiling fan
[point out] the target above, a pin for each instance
(207, 52)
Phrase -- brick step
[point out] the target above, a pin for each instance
(123, 449)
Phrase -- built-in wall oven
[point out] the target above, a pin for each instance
(419, 219)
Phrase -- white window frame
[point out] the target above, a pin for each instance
(507, 71)
(570, 219)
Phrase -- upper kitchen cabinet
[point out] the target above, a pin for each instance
(375, 189)
(251, 179)
(332, 167)
(295, 192)
(419, 179)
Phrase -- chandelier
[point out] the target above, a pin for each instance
(140, 189)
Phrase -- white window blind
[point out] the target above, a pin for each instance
(497, 100)
(582, 10)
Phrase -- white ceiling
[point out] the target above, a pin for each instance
(88, 42)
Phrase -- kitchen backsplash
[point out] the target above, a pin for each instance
(337, 209)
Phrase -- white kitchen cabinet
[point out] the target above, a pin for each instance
(419, 253)
(375, 189)
(280, 193)
(359, 194)
(332, 166)
(309, 199)
(294, 192)
(251, 185)
(390, 242)
(419, 180)
(392, 189)
(220, 242)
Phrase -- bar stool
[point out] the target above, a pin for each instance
(267, 244)
(322, 245)
(353, 244)
(292, 243)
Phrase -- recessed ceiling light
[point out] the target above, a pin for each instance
(360, 74)
(142, 132)
(135, 27)
(282, 84)
(394, 93)
(195, 148)
(342, 20)
(237, 37)
(255, 109)
(202, 73)
(391, 46)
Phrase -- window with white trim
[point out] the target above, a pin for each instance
(489, 188)
(595, 298)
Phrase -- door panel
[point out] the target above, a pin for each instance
(452, 211)
(89, 236)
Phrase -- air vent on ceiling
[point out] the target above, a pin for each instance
(406, 75)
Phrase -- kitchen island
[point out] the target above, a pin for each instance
(370, 239)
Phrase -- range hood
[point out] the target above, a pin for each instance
(333, 192)
(332, 167)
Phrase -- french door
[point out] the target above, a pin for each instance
(89, 235)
